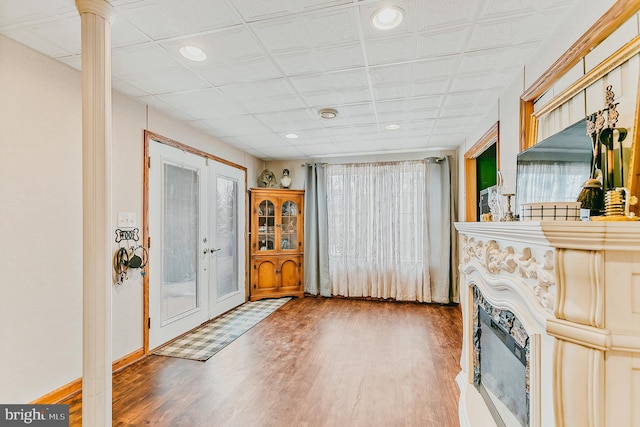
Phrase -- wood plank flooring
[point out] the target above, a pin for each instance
(314, 362)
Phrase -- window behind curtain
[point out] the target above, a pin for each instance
(377, 230)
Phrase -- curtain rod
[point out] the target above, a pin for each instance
(434, 159)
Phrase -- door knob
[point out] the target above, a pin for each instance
(205, 251)
(215, 250)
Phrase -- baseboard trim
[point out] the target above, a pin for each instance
(128, 359)
(60, 394)
(75, 386)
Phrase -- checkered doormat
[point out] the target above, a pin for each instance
(209, 338)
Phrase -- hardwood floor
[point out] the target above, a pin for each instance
(314, 362)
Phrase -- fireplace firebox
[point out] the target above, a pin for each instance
(501, 368)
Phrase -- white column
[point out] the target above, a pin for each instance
(96, 191)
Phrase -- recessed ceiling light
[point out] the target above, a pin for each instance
(193, 53)
(387, 18)
(392, 126)
(291, 135)
(328, 113)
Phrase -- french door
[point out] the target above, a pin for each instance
(227, 270)
(196, 225)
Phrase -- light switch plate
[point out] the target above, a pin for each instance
(126, 219)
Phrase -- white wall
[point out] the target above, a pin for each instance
(40, 223)
(41, 218)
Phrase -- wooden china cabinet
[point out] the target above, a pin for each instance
(276, 243)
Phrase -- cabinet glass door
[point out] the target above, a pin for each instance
(289, 231)
(266, 226)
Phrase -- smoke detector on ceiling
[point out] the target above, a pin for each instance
(328, 113)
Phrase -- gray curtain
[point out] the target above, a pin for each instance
(316, 247)
(441, 214)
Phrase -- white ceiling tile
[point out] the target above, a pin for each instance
(202, 104)
(337, 97)
(264, 140)
(125, 34)
(237, 126)
(240, 72)
(474, 97)
(536, 27)
(65, 31)
(282, 35)
(253, 10)
(435, 68)
(317, 150)
(19, 11)
(430, 45)
(351, 147)
(126, 88)
(352, 133)
(462, 111)
(160, 19)
(499, 8)
(496, 33)
(147, 59)
(388, 50)
(340, 57)
(347, 80)
(45, 46)
(494, 59)
(311, 136)
(338, 26)
(155, 103)
(445, 13)
(298, 62)
(484, 81)
(270, 104)
(180, 115)
(429, 87)
(391, 74)
(411, 144)
(285, 153)
(288, 121)
(266, 89)
(224, 46)
(420, 127)
(317, 60)
(159, 83)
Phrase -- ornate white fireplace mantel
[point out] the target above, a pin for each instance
(575, 286)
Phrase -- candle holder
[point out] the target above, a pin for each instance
(508, 216)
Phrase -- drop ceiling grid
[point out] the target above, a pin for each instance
(272, 64)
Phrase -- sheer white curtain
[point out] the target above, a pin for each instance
(541, 181)
(379, 216)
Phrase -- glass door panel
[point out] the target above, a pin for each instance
(226, 241)
(266, 226)
(179, 242)
(289, 232)
(227, 251)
